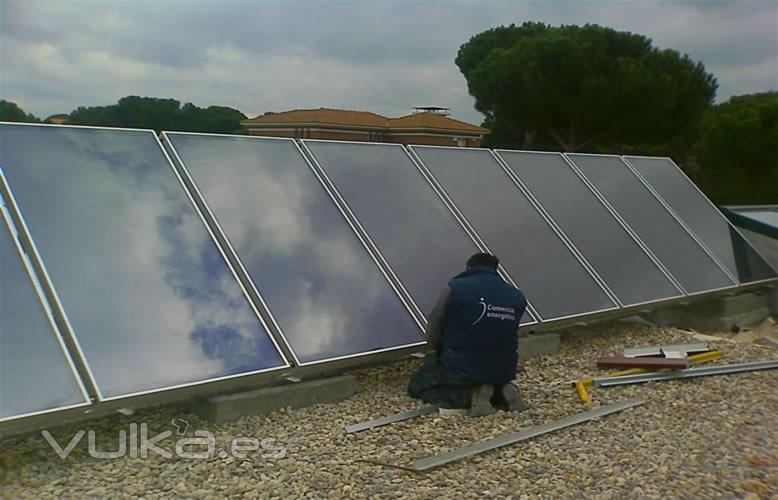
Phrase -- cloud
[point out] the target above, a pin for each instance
(381, 56)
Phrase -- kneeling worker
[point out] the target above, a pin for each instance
(473, 331)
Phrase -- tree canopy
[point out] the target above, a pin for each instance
(11, 112)
(160, 114)
(581, 87)
(735, 153)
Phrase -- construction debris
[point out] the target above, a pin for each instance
(582, 385)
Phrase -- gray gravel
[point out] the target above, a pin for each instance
(708, 437)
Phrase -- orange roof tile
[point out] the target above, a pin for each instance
(433, 120)
(323, 116)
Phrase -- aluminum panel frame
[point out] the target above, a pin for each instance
(46, 309)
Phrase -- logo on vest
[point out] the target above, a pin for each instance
(495, 312)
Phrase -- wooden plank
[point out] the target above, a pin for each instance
(643, 362)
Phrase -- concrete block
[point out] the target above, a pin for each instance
(744, 303)
(536, 344)
(267, 399)
(717, 314)
(772, 300)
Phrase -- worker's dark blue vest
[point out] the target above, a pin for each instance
(479, 339)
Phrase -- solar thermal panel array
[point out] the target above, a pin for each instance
(205, 258)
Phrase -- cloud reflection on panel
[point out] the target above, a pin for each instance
(149, 296)
(327, 294)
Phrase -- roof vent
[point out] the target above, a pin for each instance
(432, 109)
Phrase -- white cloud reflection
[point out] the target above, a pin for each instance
(321, 285)
(147, 293)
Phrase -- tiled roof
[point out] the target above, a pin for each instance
(323, 116)
(328, 116)
(433, 120)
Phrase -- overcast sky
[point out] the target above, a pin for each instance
(383, 56)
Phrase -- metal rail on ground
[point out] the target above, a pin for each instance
(688, 373)
(434, 461)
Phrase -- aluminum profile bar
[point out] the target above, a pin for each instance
(390, 419)
(52, 302)
(688, 373)
(434, 461)
(659, 349)
(638, 352)
(674, 354)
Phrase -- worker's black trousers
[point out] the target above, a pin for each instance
(433, 384)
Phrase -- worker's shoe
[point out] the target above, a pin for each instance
(509, 398)
(481, 401)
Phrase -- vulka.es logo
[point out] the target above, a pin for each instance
(139, 445)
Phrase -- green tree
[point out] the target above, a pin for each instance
(160, 114)
(735, 153)
(10, 112)
(582, 87)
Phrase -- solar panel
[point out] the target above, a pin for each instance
(416, 233)
(680, 253)
(36, 374)
(510, 225)
(147, 292)
(324, 290)
(703, 218)
(629, 272)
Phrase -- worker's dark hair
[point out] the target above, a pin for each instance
(483, 259)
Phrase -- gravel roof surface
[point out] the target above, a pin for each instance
(706, 437)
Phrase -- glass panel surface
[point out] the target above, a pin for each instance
(149, 296)
(660, 231)
(699, 214)
(766, 245)
(613, 253)
(532, 253)
(320, 283)
(423, 243)
(34, 375)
